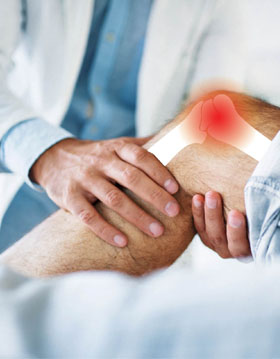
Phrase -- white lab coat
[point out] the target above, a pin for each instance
(188, 42)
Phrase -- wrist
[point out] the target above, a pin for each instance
(44, 166)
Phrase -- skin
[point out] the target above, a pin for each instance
(227, 239)
(76, 173)
(63, 244)
(207, 211)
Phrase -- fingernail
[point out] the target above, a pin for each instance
(156, 229)
(234, 222)
(171, 186)
(245, 260)
(210, 202)
(172, 209)
(197, 203)
(120, 240)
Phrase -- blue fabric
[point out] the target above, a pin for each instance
(102, 107)
(262, 197)
(40, 134)
(105, 97)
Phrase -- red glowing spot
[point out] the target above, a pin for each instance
(222, 122)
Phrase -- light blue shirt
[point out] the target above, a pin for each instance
(262, 198)
(229, 311)
(102, 107)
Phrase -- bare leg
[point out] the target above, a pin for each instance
(62, 244)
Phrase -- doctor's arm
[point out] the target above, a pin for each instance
(24, 136)
(75, 173)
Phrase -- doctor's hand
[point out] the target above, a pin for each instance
(76, 173)
(228, 240)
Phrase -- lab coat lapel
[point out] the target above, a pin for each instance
(77, 19)
(167, 39)
(78, 15)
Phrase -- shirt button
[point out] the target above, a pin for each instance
(110, 37)
(89, 110)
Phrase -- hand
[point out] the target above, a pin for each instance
(76, 173)
(228, 240)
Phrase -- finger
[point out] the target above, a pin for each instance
(215, 225)
(149, 164)
(136, 181)
(198, 214)
(81, 208)
(238, 242)
(115, 199)
(198, 204)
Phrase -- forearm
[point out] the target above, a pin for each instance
(62, 244)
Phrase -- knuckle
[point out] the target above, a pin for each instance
(110, 147)
(101, 231)
(200, 228)
(94, 162)
(140, 216)
(114, 198)
(139, 154)
(85, 174)
(104, 232)
(238, 240)
(120, 143)
(216, 241)
(156, 195)
(212, 216)
(86, 216)
(130, 175)
(197, 212)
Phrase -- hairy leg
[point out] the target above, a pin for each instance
(62, 244)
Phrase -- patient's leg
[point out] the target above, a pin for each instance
(63, 244)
